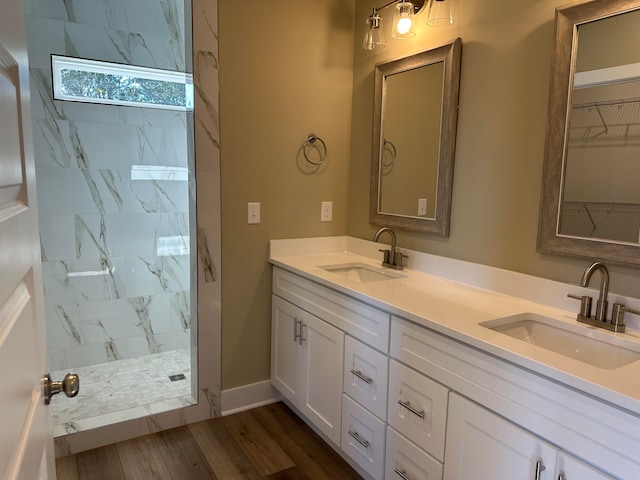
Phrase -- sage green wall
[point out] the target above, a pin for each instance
(285, 71)
(506, 65)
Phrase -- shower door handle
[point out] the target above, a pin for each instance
(70, 386)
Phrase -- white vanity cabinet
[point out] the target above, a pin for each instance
(306, 364)
(401, 401)
(484, 446)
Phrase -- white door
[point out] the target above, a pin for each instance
(26, 441)
(483, 446)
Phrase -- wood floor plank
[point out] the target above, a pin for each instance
(293, 473)
(182, 456)
(141, 459)
(307, 450)
(67, 468)
(225, 457)
(263, 451)
(100, 464)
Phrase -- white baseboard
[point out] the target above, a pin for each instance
(246, 397)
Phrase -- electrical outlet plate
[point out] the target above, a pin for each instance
(422, 206)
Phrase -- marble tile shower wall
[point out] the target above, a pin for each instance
(115, 249)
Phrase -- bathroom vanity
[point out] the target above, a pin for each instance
(425, 373)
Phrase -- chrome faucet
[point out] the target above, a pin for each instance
(601, 306)
(392, 258)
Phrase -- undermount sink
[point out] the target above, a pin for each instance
(361, 272)
(590, 346)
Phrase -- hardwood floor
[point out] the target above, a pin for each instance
(265, 443)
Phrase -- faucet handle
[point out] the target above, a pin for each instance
(399, 259)
(386, 255)
(617, 314)
(585, 304)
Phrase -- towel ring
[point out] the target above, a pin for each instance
(387, 145)
(311, 140)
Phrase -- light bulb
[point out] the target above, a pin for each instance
(404, 25)
(403, 20)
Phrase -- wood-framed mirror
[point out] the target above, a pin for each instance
(590, 204)
(414, 138)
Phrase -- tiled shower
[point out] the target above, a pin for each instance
(116, 245)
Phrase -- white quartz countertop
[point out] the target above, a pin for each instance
(456, 309)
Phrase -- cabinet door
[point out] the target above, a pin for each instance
(324, 349)
(287, 355)
(570, 468)
(483, 446)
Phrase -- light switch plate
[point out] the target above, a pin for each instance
(326, 212)
(253, 213)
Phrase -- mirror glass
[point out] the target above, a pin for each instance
(411, 132)
(590, 201)
(600, 194)
(415, 116)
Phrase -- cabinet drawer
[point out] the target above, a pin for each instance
(365, 376)
(405, 460)
(417, 408)
(364, 322)
(363, 437)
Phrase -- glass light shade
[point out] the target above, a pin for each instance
(373, 37)
(440, 13)
(403, 21)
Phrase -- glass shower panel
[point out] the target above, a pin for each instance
(116, 199)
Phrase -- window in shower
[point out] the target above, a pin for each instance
(82, 80)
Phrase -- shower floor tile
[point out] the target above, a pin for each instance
(123, 389)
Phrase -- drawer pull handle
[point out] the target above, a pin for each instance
(401, 473)
(561, 477)
(362, 376)
(408, 406)
(539, 469)
(359, 439)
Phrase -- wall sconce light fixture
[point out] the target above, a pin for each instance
(440, 13)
